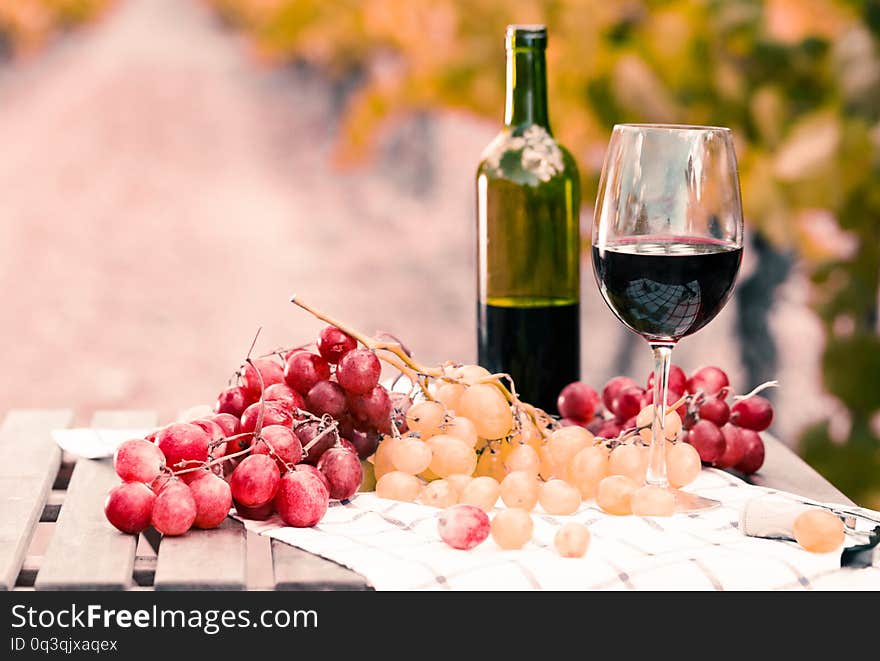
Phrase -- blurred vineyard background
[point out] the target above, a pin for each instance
(797, 80)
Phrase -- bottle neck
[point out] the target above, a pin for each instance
(526, 102)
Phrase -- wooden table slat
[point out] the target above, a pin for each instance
(785, 471)
(25, 482)
(296, 569)
(204, 559)
(86, 552)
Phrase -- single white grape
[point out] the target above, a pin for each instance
(451, 455)
(566, 442)
(520, 489)
(559, 497)
(651, 500)
(397, 485)
(470, 374)
(487, 408)
(462, 428)
(629, 459)
(818, 531)
(572, 540)
(523, 457)
(614, 494)
(449, 395)
(382, 459)
(426, 418)
(683, 464)
(411, 455)
(439, 493)
(671, 428)
(481, 492)
(587, 468)
(512, 528)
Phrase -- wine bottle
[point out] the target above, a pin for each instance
(528, 231)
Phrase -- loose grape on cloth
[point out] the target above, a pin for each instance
(395, 546)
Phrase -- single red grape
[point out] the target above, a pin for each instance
(734, 447)
(609, 429)
(174, 509)
(302, 499)
(372, 410)
(578, 401)
(707, 440)
(753, 456)
(343, 471)
(255, 480)
(282, 392)
(755, 413)
(346, 445)
(259, 513)
(230, 424)
(714, 410)
(304, 369)
(307, 432)
(274, 413)
(308, 468)
(333, 344)
(596, 425)
(463, 526)
(234, 400)
(327, 397)
(364, 442)
(288, 449)
(213, 499)
(358, 371)
(628, 402)
(269, 369)
(183, 442)
(677, 379)
(129, 506)
(211, 428)
(613, 388)
(708, 380)
(138, 461)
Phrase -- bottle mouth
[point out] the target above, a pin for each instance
(526, 36)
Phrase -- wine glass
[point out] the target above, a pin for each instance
(667, 245)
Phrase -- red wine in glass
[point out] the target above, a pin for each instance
(665, 288)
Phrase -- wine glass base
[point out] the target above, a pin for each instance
(686, 503)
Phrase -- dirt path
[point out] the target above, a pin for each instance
(161, 196)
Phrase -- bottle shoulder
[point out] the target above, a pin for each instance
(527, 155)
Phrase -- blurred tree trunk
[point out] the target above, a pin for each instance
(754, 298)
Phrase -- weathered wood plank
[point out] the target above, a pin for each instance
(86, 552)
(296, 569)
(53, 506)
(25, 482)
(204, 559)
(785, 471)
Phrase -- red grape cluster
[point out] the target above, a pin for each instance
(724, 433)
(286, 438)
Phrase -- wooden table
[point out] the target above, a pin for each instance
(53, 535)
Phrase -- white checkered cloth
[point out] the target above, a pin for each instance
(395, 546)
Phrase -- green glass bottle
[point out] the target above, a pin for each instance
(528, 237)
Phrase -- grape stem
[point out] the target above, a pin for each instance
(756, 390)
(420, 374)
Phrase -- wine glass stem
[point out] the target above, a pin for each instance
(656, 474)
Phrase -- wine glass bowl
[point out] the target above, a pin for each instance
(667, 243)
